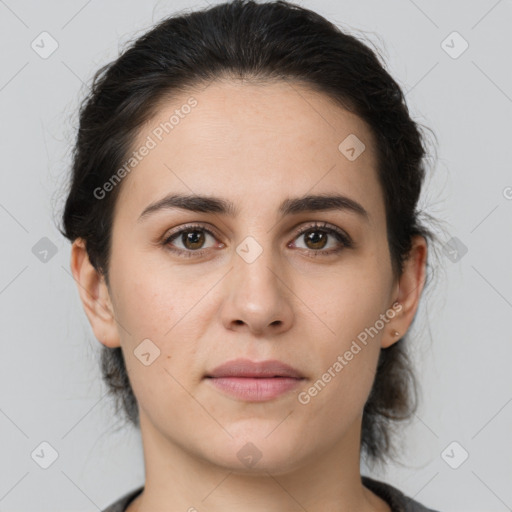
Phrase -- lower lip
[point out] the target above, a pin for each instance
(255, 389)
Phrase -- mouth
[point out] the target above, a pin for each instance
(254, 389)
(255, 369)
(252, 381)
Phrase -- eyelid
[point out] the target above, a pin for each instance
(207, 228)
(326, 226)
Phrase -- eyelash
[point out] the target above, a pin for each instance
(340, 235)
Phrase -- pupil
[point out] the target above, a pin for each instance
(316, 239)
(195, 238)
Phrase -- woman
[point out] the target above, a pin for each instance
(247, 248)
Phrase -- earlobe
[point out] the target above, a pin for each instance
(94, 295)
(410, 287)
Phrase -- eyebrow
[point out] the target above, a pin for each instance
(209, 204)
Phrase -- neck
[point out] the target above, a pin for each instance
(178, 479)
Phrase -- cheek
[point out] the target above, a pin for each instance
(156, 304)
(330, 409)
(158, 322)
(350, 306)
(336, 395)
(150, 299)
(349, 299)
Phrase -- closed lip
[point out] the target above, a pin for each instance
(254, 369)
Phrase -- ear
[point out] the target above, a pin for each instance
(94, 295)
(410, 286)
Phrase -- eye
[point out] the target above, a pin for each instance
(316, 238)
(192, 239)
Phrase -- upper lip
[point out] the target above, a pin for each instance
(248, 368)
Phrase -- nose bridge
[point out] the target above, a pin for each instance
(254, 270)
(256, 295)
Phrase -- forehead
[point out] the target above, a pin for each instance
(255, 143)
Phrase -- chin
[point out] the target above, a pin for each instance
(259, 453)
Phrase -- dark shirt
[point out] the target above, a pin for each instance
(396, 500)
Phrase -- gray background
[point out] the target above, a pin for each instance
(50, 387)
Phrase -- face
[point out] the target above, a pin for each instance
(256, 281)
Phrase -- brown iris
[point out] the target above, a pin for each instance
(193, 239)
(317, 238)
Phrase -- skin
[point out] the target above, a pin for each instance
(255, 145)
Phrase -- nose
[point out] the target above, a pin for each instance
(257, 296)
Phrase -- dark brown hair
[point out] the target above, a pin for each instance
(256, 42)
